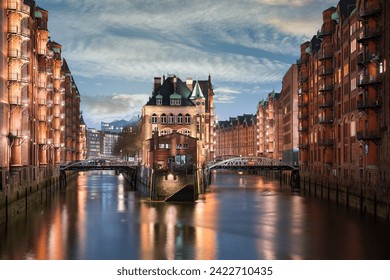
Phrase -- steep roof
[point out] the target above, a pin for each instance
(172, 87)
(197, 92)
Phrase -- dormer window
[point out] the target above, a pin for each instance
(159, 99)
(175, 102)
(175, 99)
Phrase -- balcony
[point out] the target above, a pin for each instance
(15, 7)
(303, 146)
(303, 129)
(367, 57)
(323, 71)
(325, 120)
(372, 9)
(325, 32)
(42, 117)
(325, 88)
(302, 78)
(370, 134)
(303, 115)
(367, 79)
(18, 78)
(369, 34)
(326, 104)
(18, 101)
(325, 54)
(326, 142)
(19, 55)
(303, 103)
(301, 61)
(366, 103)
(22, 32)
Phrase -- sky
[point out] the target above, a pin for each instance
(115, 48)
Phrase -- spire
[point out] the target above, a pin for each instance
(197, 92)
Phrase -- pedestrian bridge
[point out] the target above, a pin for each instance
(99, 164)
(239, 163)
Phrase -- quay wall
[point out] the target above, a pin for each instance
(158, 185)
(26, 187)
(362, 197)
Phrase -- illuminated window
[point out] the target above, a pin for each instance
(187, 119)
(163, 119)
(180, 119)
(166, 131)
(154, 118)
(171, 119)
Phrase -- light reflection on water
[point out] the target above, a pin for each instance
(241, 217)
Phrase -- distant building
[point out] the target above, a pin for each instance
(82, 155)
(108, 142)
(288, 117)
(236, 136)
(269, 128)
(178, 107)
(93, 143)
(118, 126)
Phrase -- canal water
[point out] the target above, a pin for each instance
(242, 216)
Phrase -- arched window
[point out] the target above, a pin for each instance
(154, 118)
(171, 119)
(166, 131)
(163, 119)
(188, 119)
(186, 132)
(180, 119)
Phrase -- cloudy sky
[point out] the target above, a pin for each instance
(115, 48)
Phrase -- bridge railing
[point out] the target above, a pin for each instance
(91, 162)
(249, 162)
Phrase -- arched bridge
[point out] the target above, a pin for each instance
(250, 163)
(98, 164)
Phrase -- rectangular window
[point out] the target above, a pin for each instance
(353, 84)
(185, 146)
(353, 128)
(178, 146)
(353, 46)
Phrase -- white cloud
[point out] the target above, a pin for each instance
(108, 108)
(250, 42)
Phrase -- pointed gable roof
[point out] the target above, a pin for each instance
(197, 92)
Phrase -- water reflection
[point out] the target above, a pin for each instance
(241, 217)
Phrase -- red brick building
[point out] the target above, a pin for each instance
(236, 137)
(343, 102)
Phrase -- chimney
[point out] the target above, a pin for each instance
(189, 83)
(174, 83)
(157, 83)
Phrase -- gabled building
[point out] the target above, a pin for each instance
(182, 107)
(236, 136)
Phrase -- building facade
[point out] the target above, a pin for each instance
(288, 117)
(182, 107)
(32, 96)
(272, 132)
(269, 127)
(236, 137)
(343, 99)
(93, 143)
